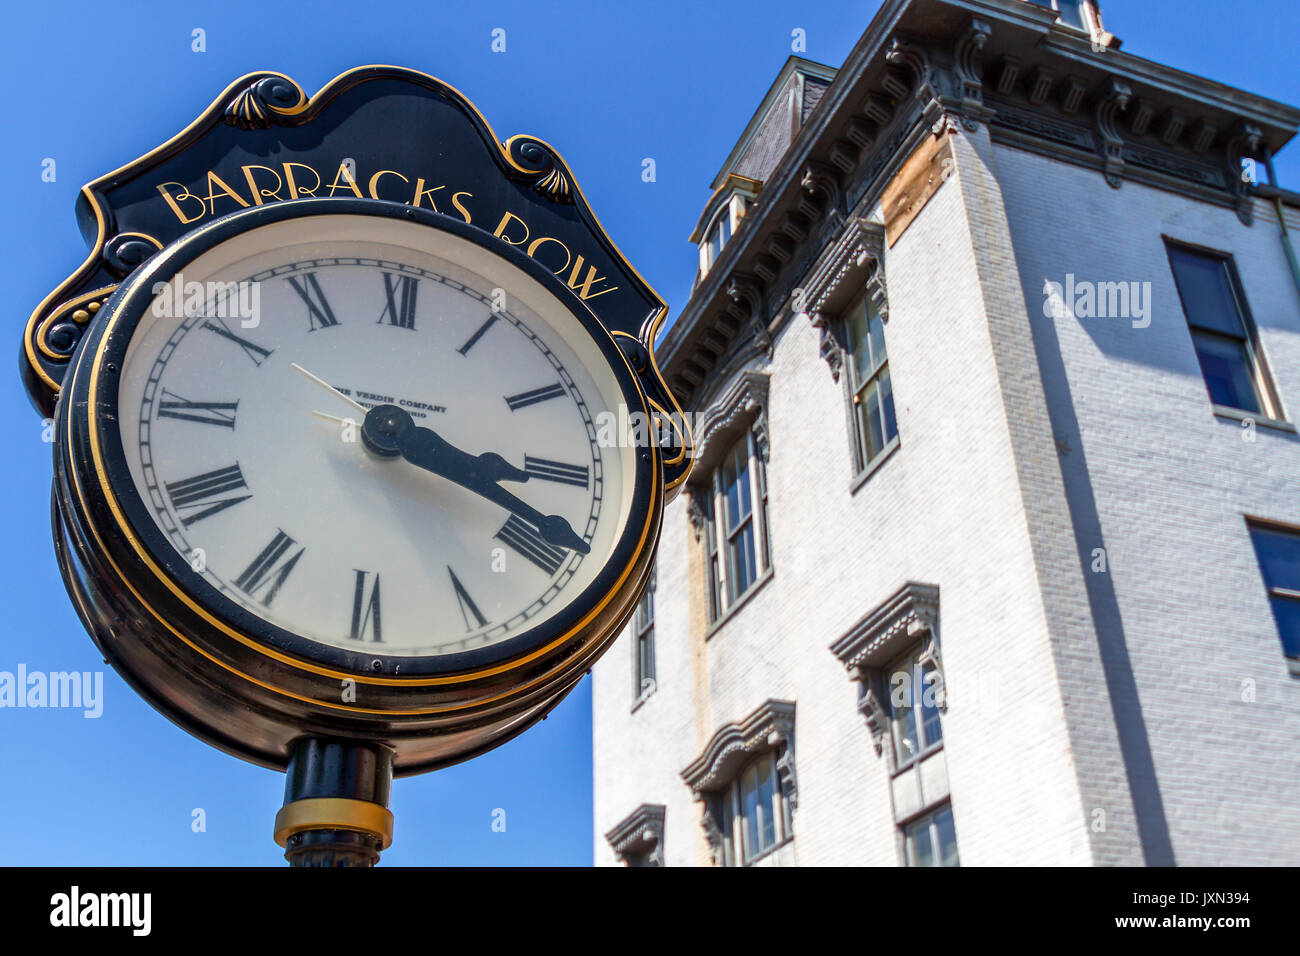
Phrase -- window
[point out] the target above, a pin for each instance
(932, 839)
(745, 779)
(1222, 332)
(752, 813)
(1278, 551)
(1070, 11)
(719, 233)
(643, 664)
(872, 394)
(914, 696)
(737, 546)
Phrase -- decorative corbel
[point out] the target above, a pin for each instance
(832, 352)
(696, 513)
(1114, 99)
(746, 292)
(711, 832)
(873, 711)
(969, 58)
(1244, 140)
(821, 180)
(929, 657)
(915, 60)
(873, 247)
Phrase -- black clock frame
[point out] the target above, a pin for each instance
(248, 686)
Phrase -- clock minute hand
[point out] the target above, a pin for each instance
(389, 430)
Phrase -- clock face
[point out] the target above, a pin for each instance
(377, 436)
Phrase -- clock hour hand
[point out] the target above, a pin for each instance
(390, 431)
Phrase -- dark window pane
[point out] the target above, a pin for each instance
(728, 827)
(918, 841)
(931, 728)
(749, 808)
(946, 836)
(887, 406)
(1226, 367)
(1206, 292)
(873, 433)
(767, 822)
(876, 329)
(735, 483)
(714, 590)
(1070, 12)
(1279, 557)
(906, 743)
(859, 349)
(1287, 613)
(740, 562)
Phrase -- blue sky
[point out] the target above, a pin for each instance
(608, 85)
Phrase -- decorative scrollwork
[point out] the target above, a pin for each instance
(127, 251)
(545, 169)
(1114, 99)
(263, 102)
(58, 334)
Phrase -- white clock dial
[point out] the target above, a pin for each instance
(298, 520)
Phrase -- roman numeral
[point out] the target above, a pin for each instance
(318, 307)
(524, 399)
(546, 470)
(204, 495)
(270, 568)
(526, 539)
(400, 310)
(251, 350)
(467, 606)
(473, 339)
(365, 613)
(207, 413)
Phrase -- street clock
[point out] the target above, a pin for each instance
(361, 450)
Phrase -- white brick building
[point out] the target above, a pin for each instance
(939, 439)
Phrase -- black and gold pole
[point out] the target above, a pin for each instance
(335, 809)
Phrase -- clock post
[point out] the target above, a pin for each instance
(335, 809)
(345, 547)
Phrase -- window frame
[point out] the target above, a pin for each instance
(1055, 7)
(729, 809)
(721, 222)
(915, 655)
(856, 390)
(643, 636)
(722, 600)
(928, 819)
(1273, 591)
(1261, 377)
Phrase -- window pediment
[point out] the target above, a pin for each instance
(769, 727)
(853, 262)
(742, 405)
(910, 614)
(640, 834)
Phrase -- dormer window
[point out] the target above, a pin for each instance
(719, 233)
(721, 217)
(1070, 11)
